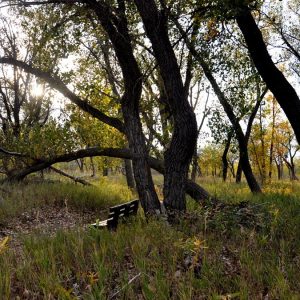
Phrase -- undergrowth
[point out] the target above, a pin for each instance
(21, 197)
(249, 249)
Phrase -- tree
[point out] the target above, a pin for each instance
(275, 80)
(114, 22)
(178, 155)
(210, 159)
(225, 102)
(142, 56)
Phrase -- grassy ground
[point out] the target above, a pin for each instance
(248, 250)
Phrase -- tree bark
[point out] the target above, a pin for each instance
(263, 174)
(76, 179)
(272, 140)
(232, 169)
(279, 166)
(195, 165)
(259, 99)
(224, 156)
(283, 91)
(279, 173)
(242, 141)
(179, 154)
(194, 190)
(243, 147)
(291, 168)
(93, 167)
(115, 26)
(239, 172)
(129, 174)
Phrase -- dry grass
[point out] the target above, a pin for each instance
(244, 251)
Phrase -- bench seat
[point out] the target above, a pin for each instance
(121, 211)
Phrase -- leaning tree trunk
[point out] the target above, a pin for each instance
(191, 188)
(241, 138)
(283, 91)
(142, 172)
(117, 30)
(179, 154)
(251, 180)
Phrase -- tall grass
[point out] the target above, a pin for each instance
(101, 195)
(238, 252)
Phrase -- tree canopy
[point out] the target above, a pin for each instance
(129, 79)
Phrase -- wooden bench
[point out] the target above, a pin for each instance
(116, 213)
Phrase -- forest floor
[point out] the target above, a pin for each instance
(249, 249)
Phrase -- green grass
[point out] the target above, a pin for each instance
(238, 252)
(102, 194)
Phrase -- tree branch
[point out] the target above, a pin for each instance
(57, 84)
(76, 179)
(192, 189)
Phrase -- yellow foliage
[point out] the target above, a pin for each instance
(193, 244)
(64, 293)
(93, 277)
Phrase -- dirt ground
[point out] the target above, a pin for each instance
(47, 219)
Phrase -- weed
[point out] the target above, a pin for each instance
(249, 249)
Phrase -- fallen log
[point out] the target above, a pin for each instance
(76, 179)
(192, 189)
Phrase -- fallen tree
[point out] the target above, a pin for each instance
(75, 179)
(192, 189)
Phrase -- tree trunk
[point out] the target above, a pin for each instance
(80, 163)
(195, 165)
(239, 172)
(231, 167)
(293, 171)
(224, 167)
(272, 138)
(283, 91)
(291, 168)
(105, 168)
(279, 174)
(105, 171)
(121, 41)
(263, 174)
(93, 167)
(253, 184)
(224, 156)
(191, 188)
(199, 171)
(142, 172)
(179, 154)
(129, 174)
(242, 141)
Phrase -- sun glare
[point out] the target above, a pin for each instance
(37, 90)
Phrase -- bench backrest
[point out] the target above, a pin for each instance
(121, 211)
